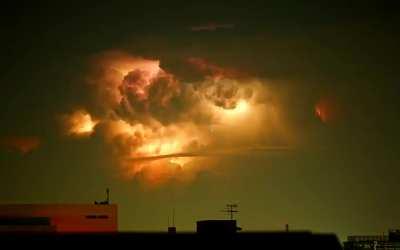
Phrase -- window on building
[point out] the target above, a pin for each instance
(95, 216)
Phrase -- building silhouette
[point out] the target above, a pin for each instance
(95, 226)
(217, 227)
(374, 242)
(58, 218)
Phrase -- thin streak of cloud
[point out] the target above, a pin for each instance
(213, 153)
(212, 27)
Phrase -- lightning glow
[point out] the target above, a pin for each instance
(239, 112)
(80, 123)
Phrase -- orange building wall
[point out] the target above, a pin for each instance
(69, 217)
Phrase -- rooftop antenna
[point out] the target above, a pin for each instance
(108, 196)
(172, 228)
(173, 217)
(107, 201)
(231, 209)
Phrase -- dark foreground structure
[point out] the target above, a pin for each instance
(59, 218)
(95, 226)
(391, 241)
(217, 227)
(263, 240)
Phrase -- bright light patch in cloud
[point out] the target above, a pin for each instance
(79, 123)
(238, 112)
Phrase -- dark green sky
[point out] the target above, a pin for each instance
(346, 181)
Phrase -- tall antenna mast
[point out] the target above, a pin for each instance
(172, 228)
(173, 216)
(105, 202)
(231, 209)
(107, 196)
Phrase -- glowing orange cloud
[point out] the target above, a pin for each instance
(136, 141)
(327, 109)
(23, 144)
(144, 112)
(121, 79)
(239, 112)
(79, 123)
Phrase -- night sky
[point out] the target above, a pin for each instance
(330, 71)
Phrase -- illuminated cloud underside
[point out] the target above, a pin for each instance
(79, 123)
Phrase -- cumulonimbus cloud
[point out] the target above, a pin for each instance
(158, 126)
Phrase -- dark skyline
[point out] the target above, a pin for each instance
(330, 69)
